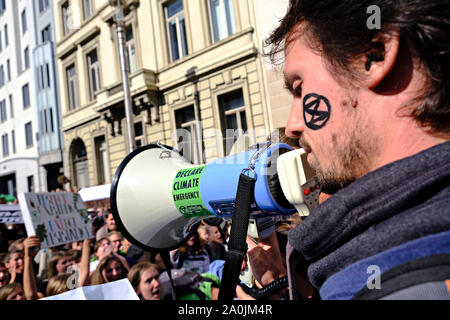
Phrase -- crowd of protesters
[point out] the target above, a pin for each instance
(28, 272)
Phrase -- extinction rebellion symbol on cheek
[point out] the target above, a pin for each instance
(316, 110)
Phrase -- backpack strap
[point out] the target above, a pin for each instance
(412, 274)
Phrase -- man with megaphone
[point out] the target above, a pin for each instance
(371, 109)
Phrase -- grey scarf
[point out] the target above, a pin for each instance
(400, 202)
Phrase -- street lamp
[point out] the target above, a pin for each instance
(118, 4)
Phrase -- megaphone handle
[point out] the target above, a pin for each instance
(237, 245)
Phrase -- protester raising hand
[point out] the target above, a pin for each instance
(266, 262)
(29, 280)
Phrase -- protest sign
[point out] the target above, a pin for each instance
(55, 217)
(116, 290)
(10, 214)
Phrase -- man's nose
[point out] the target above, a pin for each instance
(295, 125)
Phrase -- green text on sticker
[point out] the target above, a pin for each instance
(186, 192)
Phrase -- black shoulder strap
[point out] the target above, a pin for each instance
(237, 245)
(165, 256)
(418, 271)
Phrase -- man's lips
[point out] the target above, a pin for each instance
(304, 145)
(306, 148)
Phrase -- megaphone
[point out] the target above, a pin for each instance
(158, 198)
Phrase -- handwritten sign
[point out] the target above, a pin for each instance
(10, 214)
(55, 217)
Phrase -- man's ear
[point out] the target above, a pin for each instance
(381, 59)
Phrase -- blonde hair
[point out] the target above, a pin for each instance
(51, 266)
(97, 277)
(99, 243)
(57, 284)
(6, 290)
(109, 234)
(135, 273)
(16, 245)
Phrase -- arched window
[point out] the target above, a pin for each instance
(79, 162)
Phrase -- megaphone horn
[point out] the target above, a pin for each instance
(158, 198)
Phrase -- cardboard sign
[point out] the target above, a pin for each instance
(55, 217)
(10, 214)
(116, 290)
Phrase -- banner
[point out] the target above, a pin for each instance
(10, 214)
(55, 217)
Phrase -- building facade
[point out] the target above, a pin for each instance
(50, 146)
(19, 162)
(197, 78)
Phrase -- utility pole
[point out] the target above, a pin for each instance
(124, 72)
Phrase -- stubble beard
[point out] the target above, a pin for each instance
(348, 160)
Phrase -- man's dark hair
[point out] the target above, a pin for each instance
(338, 29)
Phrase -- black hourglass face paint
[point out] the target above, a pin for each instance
(316, 110)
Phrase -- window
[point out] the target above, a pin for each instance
(1, 42)
(5, 146)
(24, 21)
(45, 34)
(2, 76)
(3, 115)
(131, 49)
(222, 18)
(94, 73)
(176, 29)
(30, 183)
(66, 18)
(11, 106)
(52, 128)
(6, 35)
(234, 120)
(43, 5)
(102, 160)
(47, 121)
(13, 140)
(28, 135)
(139, 134)
(188, 139)
(8, 69)
(43, 74)
(26, 96)
(72, 87)
(2, 6)
(87, 8)
(44, 122)
(47, 74)
(26, 57)
(39, 80)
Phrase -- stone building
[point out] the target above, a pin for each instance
(194, 65)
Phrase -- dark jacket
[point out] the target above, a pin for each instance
(388, 218)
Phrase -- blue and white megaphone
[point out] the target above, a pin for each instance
(158, 198)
